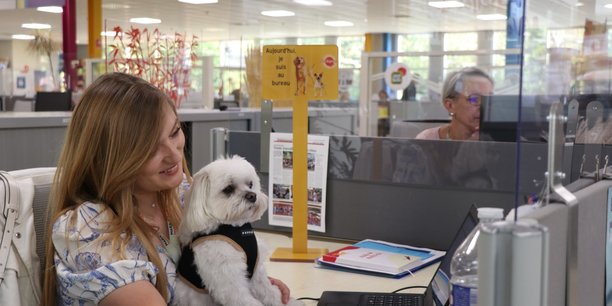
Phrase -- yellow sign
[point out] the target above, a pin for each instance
(291, 72)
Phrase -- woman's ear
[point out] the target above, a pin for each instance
(449, 104)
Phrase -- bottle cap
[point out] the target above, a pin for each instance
(490, 213)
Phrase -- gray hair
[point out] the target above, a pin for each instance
(453, 84)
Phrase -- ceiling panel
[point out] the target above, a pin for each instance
(235, 19)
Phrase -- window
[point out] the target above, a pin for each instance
(311, 41)
(349, 57)
(460, 41)
(273, 41)
(349, 49)
(413, 42)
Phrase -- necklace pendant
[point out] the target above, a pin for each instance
(153, 205)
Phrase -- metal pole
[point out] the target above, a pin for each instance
(219, 142)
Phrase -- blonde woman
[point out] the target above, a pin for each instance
(462, 93)
(117, 197)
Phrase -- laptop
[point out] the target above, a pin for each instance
(431, 295)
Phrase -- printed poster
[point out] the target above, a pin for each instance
(280, 186)
(290, 71)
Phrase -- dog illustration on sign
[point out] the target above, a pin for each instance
(300, 75)
(319, 87)
(304, 74)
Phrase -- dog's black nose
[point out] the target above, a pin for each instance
(251, 197)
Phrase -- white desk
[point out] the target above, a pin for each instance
(305, 280)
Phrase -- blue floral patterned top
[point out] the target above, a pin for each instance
(86, 269)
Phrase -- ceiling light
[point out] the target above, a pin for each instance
(145, 20)
(111, 33)
(608, 6)
(278, 13)
(50, 9)
(22, 36)
(115, 6)
(489, 17)
(36, 26)
(445, 4)
(314, 2)
(338, 23)
(579, 4)
(199, 1)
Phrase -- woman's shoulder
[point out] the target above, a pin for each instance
(83, 233)
(88, 265)
(86, 214)
(82, 225)
(430, 133)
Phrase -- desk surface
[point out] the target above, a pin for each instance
(306, 280)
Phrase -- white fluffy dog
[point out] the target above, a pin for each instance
(219, 246)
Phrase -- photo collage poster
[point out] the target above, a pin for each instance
(280, 186)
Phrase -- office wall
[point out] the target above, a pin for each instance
(21, 56)
(6, 49)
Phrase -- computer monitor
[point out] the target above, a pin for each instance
(53, 101)
(499, 118)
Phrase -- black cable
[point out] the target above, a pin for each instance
(308, 298)
(410, 287)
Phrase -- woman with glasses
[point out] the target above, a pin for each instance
(462, 93)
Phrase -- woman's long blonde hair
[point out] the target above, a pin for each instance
(113, 131)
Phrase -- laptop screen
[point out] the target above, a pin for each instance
(469, 223)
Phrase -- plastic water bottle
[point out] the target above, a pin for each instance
(464, 264)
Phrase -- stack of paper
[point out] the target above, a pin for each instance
(380, 257)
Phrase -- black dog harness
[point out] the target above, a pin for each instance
(241, 238)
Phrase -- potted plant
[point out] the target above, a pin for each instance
(42, 44)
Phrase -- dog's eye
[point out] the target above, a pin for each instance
(228, 190)
(250, 185)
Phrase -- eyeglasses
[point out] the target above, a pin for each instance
(474, 99)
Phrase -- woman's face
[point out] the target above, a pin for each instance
(466, 105)
(164, 169)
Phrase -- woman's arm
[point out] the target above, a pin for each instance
(134, 294)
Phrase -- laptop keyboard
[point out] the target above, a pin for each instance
(391, 299)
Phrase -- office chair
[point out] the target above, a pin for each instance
(42, 178)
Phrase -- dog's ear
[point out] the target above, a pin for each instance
(200, 186)
(196, 200)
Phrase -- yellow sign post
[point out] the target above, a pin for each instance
(300, 73)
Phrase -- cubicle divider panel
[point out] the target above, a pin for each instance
(413, 215)
(342, 122)
(30, 148)
(587, 229)
(408, 191)
(555, 218)
(198, 136)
